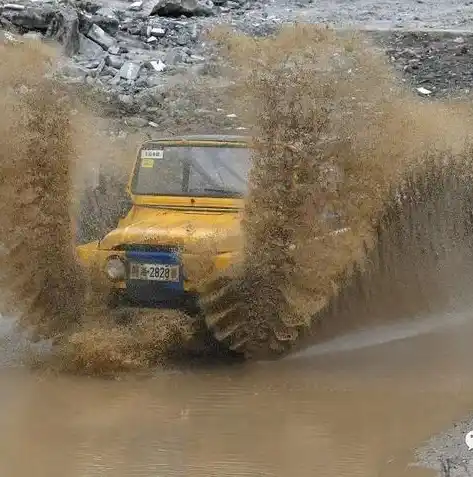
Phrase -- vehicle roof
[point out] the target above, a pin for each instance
(203, 137)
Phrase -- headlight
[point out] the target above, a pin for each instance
(115, 269)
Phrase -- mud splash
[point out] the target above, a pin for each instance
(359, 206)
(39, 271)
(44, 160)
(359, 196)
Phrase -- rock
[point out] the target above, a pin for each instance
(194, 34)
(87, 6)
(115, 61)
(196, 59)
(116, 79)
(127, 103)
(100, 37)
(154, 81)
(98, 70)
(74, 71)
(93, 64)
(108, 73)
(130, 71)
(157, 65)
(174, 56)
(136, 121)
(84, 21)
(31, 18)
(176, 8)
(150, 97)
(14, 6)
(157, 32)
(136, 6)
(108, 24)
(89, 48)
(114, 50)
(64, 28)
(183, 39)
(141, 83)
(105, 18)
(106, 12)
(424, 91)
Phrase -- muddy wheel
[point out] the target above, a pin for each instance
(245, 325)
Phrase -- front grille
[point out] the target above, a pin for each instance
(147, 248)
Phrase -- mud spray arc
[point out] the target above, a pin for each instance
(337, 136)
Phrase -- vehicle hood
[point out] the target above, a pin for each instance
(154, 226)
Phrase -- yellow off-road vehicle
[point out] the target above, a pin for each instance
(186, 197)
(181, 189)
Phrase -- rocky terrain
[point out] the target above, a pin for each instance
(141, 59)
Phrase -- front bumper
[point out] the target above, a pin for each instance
(146, 292)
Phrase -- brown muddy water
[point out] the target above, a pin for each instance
(354, 406)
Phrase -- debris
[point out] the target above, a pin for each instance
(14, 6)
(100, 37)
(109, 23)
(89, 48)
(130, 71)
(424, 91)
(114, 50)
(175, 8)
(136, 6)
(31, 18)
(114, 61)
(156, 32)
(158, 65)
(64, 27)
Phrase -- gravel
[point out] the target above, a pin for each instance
(447, 453)
(121, 51)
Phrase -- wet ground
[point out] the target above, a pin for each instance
(358, 406)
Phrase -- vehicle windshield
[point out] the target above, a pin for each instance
(210, 171)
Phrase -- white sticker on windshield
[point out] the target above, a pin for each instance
(152, 154)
